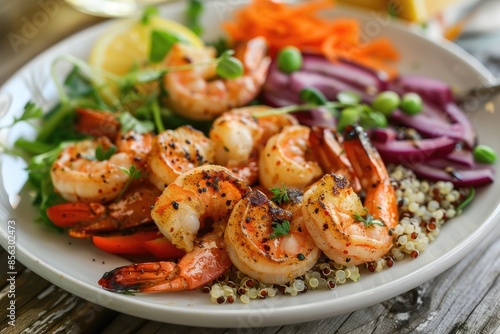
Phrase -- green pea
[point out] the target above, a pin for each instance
(348, 116)
(484, 154)
(386, 102)
(312, 95)
(229, 68)
(411, 103)
(289, 59)
(373, 120)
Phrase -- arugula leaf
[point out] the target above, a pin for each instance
(149, 12)
(161, 43)
(280, 229)
(193, 16)
(279, 195)
(32, 147)
(39, 179)
(221, 45)
(101, 154)
(313, 95)
(129, 122)
(368, 220)
(31, 111)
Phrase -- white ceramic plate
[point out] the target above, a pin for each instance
(75, 265)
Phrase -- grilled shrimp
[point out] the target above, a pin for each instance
(238, 137)
(234, 135)
(199, 94)
(87, 219)
(347, 231)
(203, 195)
(137, 145)
(254, 251)
(285, 160)
(177, 151)
(206, 262)
(80, 177)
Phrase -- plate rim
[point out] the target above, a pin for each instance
(75, 286)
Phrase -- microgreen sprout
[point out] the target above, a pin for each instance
(134, 174)
(467, 200)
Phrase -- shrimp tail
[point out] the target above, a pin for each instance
(330, 154)
(97, 123)
(205, 263)
(365, 159)
(380, 198)
(141, 277)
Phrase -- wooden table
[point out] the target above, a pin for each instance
(464, 299)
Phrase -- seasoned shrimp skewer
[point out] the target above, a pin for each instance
(177, 151)
(205, 194)
(255, 252)
(199, 94)
(206, 262)
(287, 159)
(345, 230)
(87, 219)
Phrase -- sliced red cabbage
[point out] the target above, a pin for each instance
(414, 151)
(364, 79)
(459, 177)
(430, 89)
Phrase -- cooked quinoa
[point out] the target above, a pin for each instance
(423, 209)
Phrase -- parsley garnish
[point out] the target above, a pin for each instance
(279, 195)
(368, 220)
(280, 229)
(102, 154)
(134, 174)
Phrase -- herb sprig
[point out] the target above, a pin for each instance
(102, 154)
(280, 229)
(134, 174)
(280, 195)
(368, 220)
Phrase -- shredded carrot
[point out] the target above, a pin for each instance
(299, 25)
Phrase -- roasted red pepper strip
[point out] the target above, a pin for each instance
(132, 244)
(163, 249)
(69, 214)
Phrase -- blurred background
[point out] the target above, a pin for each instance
(27, 27)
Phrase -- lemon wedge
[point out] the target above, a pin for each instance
(127, 44)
